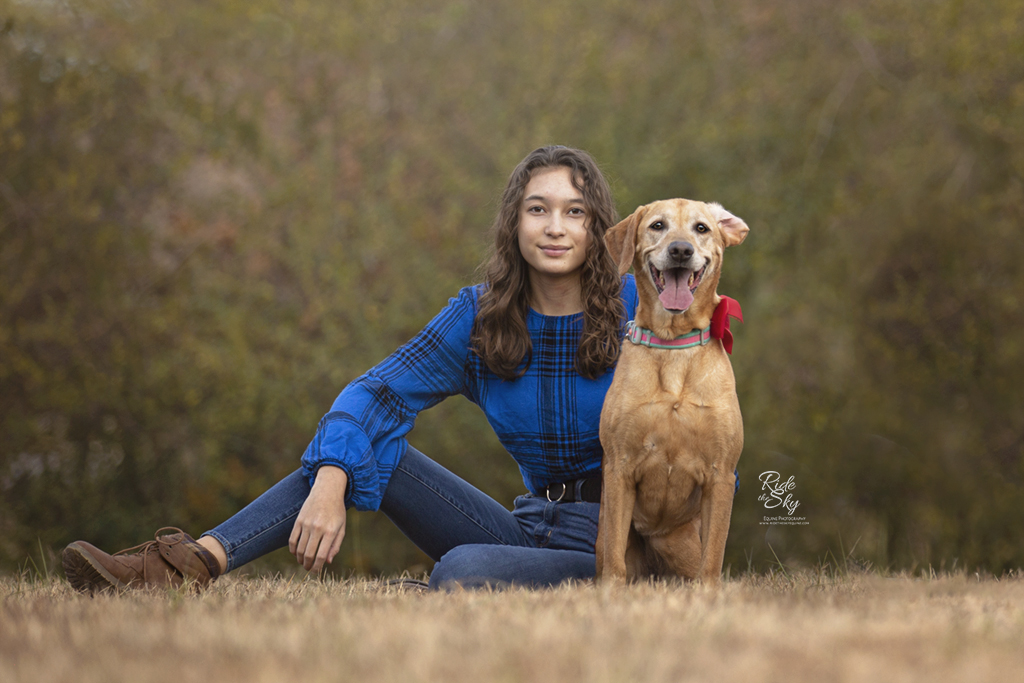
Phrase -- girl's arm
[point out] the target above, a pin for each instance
(364, 433)
(359, 443)
(320, 527)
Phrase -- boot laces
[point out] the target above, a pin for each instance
(151, 546)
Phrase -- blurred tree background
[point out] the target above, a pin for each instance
(215, 214)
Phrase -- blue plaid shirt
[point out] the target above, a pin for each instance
(547, 419)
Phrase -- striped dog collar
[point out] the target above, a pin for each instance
(642, 337)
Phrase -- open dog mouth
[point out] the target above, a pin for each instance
(676, 286)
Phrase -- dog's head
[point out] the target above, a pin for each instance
(675, 247)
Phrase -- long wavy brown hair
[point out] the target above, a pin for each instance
(500, 335)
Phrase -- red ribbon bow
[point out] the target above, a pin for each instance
(720, 321)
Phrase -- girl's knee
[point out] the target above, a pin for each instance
(466, 566)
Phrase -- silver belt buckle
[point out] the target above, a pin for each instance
(547, 491)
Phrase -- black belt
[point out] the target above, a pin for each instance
(575, 491)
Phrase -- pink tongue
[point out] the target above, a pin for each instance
(676, 296)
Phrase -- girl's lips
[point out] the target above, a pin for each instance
(554, 251)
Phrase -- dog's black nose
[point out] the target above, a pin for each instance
(680, 251)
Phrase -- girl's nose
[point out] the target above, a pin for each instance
(555, 225)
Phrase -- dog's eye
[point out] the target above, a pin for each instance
(657, 225)
(701, 228)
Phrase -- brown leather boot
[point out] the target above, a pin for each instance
(165, 562)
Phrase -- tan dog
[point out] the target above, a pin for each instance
(671, 426)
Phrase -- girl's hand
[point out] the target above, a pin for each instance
(320, 527)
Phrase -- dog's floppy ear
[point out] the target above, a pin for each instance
(621, 240)
(733, 229)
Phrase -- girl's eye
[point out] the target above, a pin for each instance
(700, 227)
(657, 225)
(535, 209)
(576, 211)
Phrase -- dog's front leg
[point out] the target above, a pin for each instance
(618, 496)
(715, 516)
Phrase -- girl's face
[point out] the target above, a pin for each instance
(553, 235)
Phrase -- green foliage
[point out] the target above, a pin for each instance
(213, 215)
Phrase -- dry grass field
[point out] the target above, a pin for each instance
(786, 627)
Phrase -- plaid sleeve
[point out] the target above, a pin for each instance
(364, 433)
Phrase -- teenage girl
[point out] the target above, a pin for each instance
(534, 346)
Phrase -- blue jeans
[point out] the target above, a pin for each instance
(473, 539)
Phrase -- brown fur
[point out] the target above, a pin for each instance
(671, 426)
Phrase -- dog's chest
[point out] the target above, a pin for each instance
(673, 440)
(671, 419)
(679, 397)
